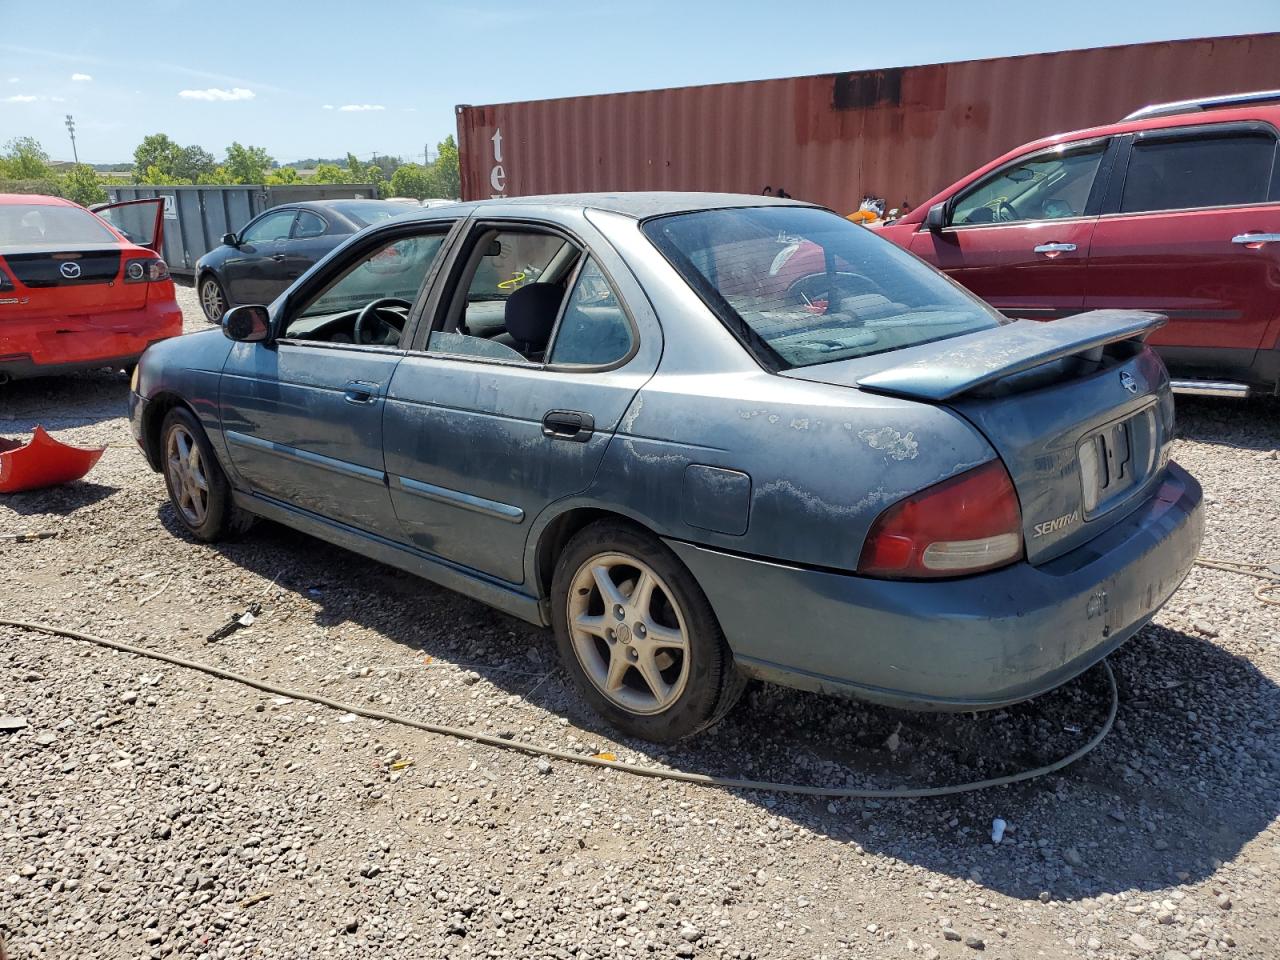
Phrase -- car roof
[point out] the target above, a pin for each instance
(36, 199)
(639, 204)
(1266, 113)
(338, 205)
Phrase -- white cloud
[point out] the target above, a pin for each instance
(21, 98)
(82, 77)
(328, 106)
(360, 107)
(58, 99)
(217, 93)
(13, 79)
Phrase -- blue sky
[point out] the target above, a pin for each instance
(319, 78)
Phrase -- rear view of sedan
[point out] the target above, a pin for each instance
(258, 263)
(80, 290)
(701, 437)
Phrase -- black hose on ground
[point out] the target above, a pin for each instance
(703, 779)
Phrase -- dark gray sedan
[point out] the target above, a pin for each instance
(278, 246)
(703, 437)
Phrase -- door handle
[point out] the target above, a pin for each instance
(1255, 241)
(277, 257)
(1052, 250)
(572, 425)
(361, 391)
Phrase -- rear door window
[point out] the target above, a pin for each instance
(1047, 186)
(594, 330)
(1207, 171)
(308, 226)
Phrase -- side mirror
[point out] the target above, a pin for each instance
(495, 249)
(248, 324)
(936, 218)
(229, 240)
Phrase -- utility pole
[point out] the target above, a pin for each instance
(71, 129)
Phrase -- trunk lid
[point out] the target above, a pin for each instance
(1079, 410)
(74, 280)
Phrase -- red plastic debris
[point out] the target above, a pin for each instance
(43, 462)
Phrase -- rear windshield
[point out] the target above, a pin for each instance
(801, 286)
(375, 210)
(34, 224)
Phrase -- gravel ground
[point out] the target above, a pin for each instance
(148, 811)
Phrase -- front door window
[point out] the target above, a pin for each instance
(1047, 186)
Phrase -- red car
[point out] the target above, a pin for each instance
(80, 290)
(1176, 209)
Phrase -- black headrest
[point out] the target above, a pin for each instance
(531, 313)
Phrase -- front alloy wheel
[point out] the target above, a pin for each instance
(186, 472)
(212, 301)
(198, 489)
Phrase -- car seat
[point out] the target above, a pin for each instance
(529, 318)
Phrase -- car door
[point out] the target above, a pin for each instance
(141, 221)
(311, 238)
(1191, 229)
(303, 414)
(482, 437)
(254, 273)
(1019, 238)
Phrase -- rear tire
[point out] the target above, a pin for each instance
(213, 300)
(198, 489)
(638, 635)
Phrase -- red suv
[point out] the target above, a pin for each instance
(1176, 209)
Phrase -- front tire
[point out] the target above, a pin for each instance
(198, 489)
(638, 636)
(213, 300)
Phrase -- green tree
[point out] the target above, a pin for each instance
(247, 164)
(282, 175)
(445, 170)
(81, 184)
(193, 163)
(25, 159)
(331, 173)
(159, 151)
(156, 176)
(218, 176)
(412, 180)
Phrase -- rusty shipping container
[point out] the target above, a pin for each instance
(901, 133)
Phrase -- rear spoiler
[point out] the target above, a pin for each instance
(982, 358)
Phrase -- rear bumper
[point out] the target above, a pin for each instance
(967, 644)
(49, 347)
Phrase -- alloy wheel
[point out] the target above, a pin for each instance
(629, 633)
(187, 477)
(211, 299)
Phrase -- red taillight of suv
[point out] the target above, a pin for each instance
(964, 525)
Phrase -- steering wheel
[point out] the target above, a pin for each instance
(372, 321)
(1003, 205)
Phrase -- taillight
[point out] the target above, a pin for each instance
(145, 270)
(969, 523)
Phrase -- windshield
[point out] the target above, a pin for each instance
(374, 210)
(801, 286)
(36, 224)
